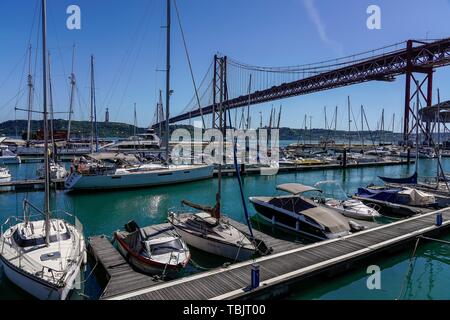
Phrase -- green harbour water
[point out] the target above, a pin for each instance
(104, 212)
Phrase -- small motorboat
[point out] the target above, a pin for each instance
(153, 251)
(335, 198)
(5, 176)
(353, 208)
(7, 156)
(57, 171)
(301, 214)
(398, 201)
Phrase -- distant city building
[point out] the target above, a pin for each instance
(107, 116)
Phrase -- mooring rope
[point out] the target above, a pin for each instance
(408, 272)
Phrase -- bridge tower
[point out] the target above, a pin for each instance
(220, 94)
(423, 75)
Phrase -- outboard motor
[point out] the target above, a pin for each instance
(131, 226)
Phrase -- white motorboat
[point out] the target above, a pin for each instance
(333, 196)
(7, 156)
(42, 256)
(301, 214)
(153, 251)
(353, 208)
(5, 176)
(57, 171)
(139, 143)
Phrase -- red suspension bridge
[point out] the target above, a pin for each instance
(250, 85)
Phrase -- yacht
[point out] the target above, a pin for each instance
(7, 156)
(301, 214)
(143, 142)
(57, 171)
(42, 256)
(120, 172)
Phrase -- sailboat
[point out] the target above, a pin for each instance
(43, 256)
(96, 176)
(206, 228)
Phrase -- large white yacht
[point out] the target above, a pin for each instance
(117, 171)
(143, 142)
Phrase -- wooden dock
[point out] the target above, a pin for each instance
(316, 167)
(287, 265)
(29, 184)
(120, 276)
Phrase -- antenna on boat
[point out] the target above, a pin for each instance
(46, 160)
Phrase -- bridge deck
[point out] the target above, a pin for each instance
(291, 265)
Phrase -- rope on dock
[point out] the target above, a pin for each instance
(413, 256)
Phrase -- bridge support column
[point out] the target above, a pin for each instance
(411, 90)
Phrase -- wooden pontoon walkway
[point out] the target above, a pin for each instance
(281, 269)
(29, 184)
(121, 277)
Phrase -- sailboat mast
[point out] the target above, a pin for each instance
(92, 104)
(50, 99)
(44, 95)
(362, 127)
(135, 121)
(349, 125)
(72, 94)
(30, 96)
(417, 126)
(167, 79)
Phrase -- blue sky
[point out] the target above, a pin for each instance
(128, 43)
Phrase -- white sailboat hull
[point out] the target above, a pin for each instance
(217, 248)
(38, 288)
(143, 179)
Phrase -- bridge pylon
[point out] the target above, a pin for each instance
(418, 81)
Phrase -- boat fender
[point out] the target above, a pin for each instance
(355, 227)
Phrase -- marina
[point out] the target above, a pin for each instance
(218, 179)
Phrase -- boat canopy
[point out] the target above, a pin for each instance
(408, 180)
(296, 188)
(105, 156)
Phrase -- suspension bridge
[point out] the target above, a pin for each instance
(248, 85)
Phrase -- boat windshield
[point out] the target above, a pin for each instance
(332, 189)
(166, 247)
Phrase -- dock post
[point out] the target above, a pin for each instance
(439, 220)
(242, 169)
(344, 158)
(255, 276)
(408, 155)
